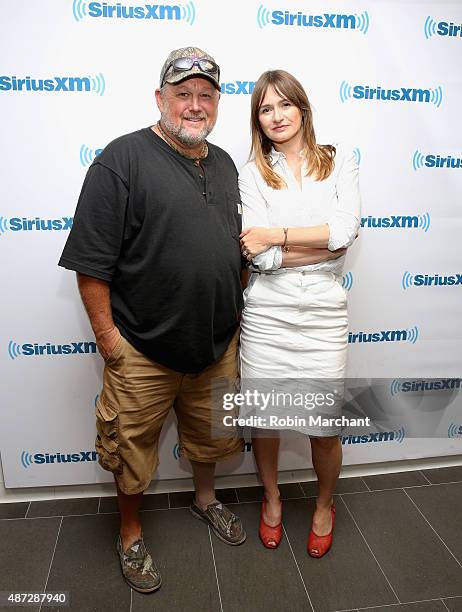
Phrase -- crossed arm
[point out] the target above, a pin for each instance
(308, 245)
(257, 240)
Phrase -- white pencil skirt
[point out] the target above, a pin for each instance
(294, 337)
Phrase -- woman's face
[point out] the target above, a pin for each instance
(280, 120)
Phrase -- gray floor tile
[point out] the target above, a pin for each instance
(347, 576)
(344, 485)
(420, 606)
(27, 548)
(415, 561)
(454, 604)
(253, 578)
(86, 565)
(13, 510)
(310, 488)
(180, 546)
(394, 481)
(438, 505)
(156, 501)
(181, 499)
(448, 474)
(63, 507)
(250, 494)
(289, 490)
(226, 496)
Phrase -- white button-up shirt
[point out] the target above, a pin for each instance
(335, 201)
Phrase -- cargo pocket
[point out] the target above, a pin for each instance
(107, 439)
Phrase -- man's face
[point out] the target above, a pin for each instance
(189, 109)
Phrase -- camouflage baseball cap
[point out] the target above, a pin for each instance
(204, 65)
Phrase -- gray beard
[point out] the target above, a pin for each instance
(184, 136)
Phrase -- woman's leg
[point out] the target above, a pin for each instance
(266, 451)
(327, 461)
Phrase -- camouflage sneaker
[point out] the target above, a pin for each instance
(225, 525)
(138, 568)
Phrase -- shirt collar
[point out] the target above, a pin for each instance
(276, 156)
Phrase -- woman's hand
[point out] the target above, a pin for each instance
(256, 240)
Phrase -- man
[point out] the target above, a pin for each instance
(155, 244)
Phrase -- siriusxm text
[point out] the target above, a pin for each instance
(57, 83)
(65, 458)
(73, 348)
(23, 224)
(449, 29)
(237, 87)
(439, 161)
(383, 436)
(392, 221)
(144, 11)
(404, 94)
(327, 20)
(390, 335)
(427, 280)
(430, 385)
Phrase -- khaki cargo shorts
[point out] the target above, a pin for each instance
(136, 398)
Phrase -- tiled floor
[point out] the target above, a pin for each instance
(397, 547)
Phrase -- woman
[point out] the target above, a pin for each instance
(301, 211)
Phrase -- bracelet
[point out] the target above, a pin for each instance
(285, 248)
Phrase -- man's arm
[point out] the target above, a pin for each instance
(95, 294)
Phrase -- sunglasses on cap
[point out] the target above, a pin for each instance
(183, 64)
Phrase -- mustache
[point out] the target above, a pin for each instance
(199, 116)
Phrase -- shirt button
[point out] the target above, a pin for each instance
(200, 176)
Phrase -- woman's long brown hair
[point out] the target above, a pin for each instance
(319, 158)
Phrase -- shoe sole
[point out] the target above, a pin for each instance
(135, 588)
(215, 531)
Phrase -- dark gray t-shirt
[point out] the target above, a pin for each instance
(165, 234)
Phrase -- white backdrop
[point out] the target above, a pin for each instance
(72, 78)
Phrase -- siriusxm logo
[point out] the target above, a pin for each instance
(357, 154)
(93, 84)
(398, 221)
(399, 386)
(454, 431)
(36, 224)
(38, 350)
(176, 451)
(351, 21)
(105, 10)
(419, 160)
(87, 155)
(382, 436)
(441, 28)
(27, 459)
(237, 87)
(428, 280)
(347, 281)
(390, 335)
(403, 94)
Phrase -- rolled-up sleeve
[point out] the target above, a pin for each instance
(255, 214)
(345, 221)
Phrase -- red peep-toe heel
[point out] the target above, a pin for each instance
(270, 536)
(318, 546)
